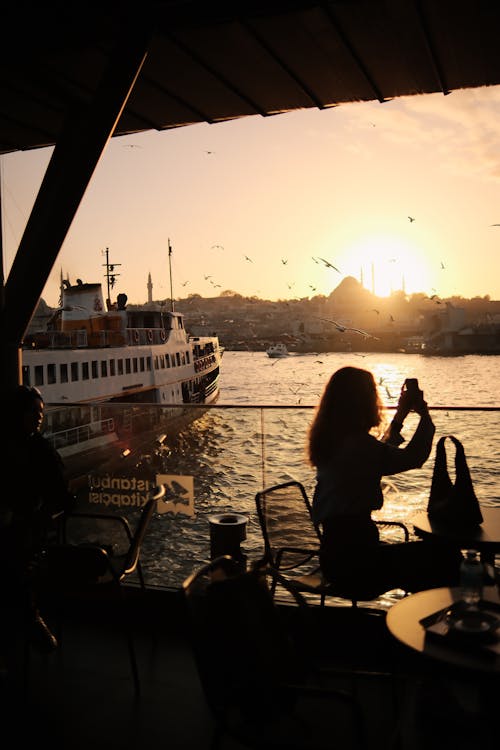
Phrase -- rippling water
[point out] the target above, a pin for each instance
(236, 448)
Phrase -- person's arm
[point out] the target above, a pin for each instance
(57, 496)
(393, 433)
(418, 449)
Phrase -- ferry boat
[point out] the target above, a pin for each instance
(277, 350)
(91, 358)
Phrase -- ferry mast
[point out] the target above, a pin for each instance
(170, 275)
(110, 276)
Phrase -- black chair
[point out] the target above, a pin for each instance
(259, 686)
(87, 570)
(292, 540)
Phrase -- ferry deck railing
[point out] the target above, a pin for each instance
(81, 434)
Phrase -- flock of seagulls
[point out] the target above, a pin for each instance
(329, 265)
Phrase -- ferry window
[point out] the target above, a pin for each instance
(134, 364)
(74, 371)
(155, 362)
(167, 360)
(141, 364)
(26, 375)
(112, 367)
(104, 368)
(39, 375)
(127, 366)
(162, 362)
(51, 373)
(177, 359)
(148, 364)
(85, 370)
(188, 358)
(63, 373)
(95, 371)
(183, 358)
(120, 366)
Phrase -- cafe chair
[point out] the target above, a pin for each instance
(260, 689)
(292, 539)
(85, 568)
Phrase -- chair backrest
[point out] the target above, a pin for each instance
(241, 648)
(132, 557)
(285, 518)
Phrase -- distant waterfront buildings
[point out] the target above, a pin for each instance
(394, 323)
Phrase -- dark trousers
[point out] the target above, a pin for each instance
(362, 567)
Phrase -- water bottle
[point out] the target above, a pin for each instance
(471, 578)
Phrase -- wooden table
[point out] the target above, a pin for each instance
(485, 537)
(403, 621)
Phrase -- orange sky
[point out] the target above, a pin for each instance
(258, 204)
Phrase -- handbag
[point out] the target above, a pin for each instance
(453, 504)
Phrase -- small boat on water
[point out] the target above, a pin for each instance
(91, 358)
(277, 350)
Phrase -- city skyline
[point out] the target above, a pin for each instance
(287, 206)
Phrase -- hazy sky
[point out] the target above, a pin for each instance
(285, 191)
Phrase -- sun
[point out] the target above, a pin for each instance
(386, 264)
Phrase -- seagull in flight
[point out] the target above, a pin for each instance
(221, 247)
(207, 277)
(411, 218)
(328, 264)
(284, 261)
(247, 258)
(343, 329)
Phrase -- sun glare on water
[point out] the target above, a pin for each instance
(387, 265)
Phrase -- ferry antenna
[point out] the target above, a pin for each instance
(110, 275)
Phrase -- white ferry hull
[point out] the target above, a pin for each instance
(89, 364)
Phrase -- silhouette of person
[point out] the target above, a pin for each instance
(37, 492)
(350, 462)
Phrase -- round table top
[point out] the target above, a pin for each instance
(403, 621)
(487, 534)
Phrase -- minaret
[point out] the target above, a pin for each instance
(361, 280)
(150, 289)
(403, 284)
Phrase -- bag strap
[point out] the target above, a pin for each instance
(461, 468)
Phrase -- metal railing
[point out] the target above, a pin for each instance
(215, 458)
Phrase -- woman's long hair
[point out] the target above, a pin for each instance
(350, 404)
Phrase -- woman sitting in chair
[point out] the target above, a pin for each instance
(350, 463)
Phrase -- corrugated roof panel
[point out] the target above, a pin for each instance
(245, 67)
(219, 61)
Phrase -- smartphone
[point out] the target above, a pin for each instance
(411, 385)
